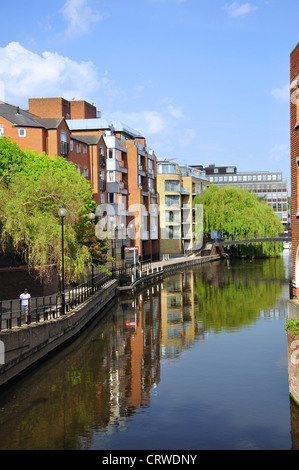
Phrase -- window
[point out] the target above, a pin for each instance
(78, 147)
(85, 149)
(63, 143)
(166, 169)
(85, 172)
(110, 153)
(72, 145)
(172, 201)
(172, 216)
(22, 132)
(171, 185)
(101, 150)
(1, 130)
(173, 232)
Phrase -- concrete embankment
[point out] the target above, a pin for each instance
(25, 346)
(162, 268)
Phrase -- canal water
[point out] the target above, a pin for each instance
(198, 361)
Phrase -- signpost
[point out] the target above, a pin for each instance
(132, 256)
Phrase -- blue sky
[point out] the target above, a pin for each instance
(205, 81)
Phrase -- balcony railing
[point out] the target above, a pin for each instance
(64, 148)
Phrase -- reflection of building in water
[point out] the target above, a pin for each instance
(134, 360)
(178, 306)
(158, 323)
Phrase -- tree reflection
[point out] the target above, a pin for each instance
(235, 297)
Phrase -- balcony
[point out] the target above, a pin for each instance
(117, 187)
(184, 190)
(64, 149)
(116, 165)
(142, 169)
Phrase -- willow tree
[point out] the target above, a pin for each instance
(241, 214)
(33, 187)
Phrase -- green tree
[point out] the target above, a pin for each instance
(32, 188)
(239, 213)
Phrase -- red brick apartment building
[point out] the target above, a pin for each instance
(117, 161)
(294, 130)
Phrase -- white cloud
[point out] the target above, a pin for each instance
(79, 17)
(279, 153)
(235, 9)
(24, 74)
(282, 94)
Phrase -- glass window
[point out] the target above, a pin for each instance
(172, 201)
(22, 132)
(172, 185)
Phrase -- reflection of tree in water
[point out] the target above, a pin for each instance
(231, 294)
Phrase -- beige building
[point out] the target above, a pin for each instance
(177, 187)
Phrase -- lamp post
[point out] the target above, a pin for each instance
(91, 217)
(62, 213)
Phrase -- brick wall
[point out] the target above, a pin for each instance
(60, 107)
(82, 110)
(50, 107)
(14, 280)
(294, 134)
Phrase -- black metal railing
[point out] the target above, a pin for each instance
(48, 307)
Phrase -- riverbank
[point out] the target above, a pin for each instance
(162, 268)
(26, 345)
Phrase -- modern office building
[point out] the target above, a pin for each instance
(268, 185)
(177, 187)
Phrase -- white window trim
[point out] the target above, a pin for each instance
(22, 135)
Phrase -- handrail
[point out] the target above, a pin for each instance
(49, 306)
